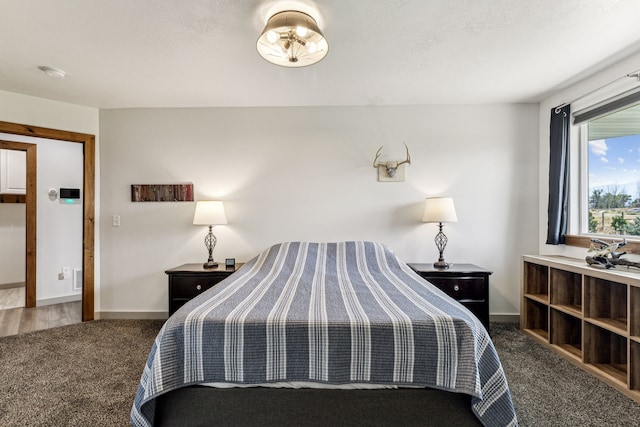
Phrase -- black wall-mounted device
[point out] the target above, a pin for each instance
(69, 193)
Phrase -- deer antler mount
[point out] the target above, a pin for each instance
(391, 171)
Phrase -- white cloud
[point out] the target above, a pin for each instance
(620, 160)
(604, 160)
(598, 147)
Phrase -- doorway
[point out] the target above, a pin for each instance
(29, 199)
(88, 142)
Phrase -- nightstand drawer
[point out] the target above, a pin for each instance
(190, 280)
(466, 283)
(462, 289)
(191, 286)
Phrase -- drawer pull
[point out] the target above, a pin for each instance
(198, 287)
(456, 288)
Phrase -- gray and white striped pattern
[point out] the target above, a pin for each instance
(330, 313)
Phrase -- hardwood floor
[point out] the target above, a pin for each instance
(12, 297)
(15, 321)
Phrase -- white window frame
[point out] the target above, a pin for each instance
(576, 185)
(579, 183)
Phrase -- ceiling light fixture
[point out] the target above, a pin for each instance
(53, 72)
(292, 39)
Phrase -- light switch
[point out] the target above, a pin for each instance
(116, 220)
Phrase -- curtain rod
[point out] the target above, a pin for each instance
(635, 74)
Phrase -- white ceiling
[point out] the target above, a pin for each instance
(202, 53)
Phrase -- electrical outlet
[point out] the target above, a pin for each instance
(66, 272)
(116, 221)
(60, 276)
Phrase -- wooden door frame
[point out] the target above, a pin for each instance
(88, 202)
(30, 200)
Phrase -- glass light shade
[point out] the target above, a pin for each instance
(439, 209)
(209, 212)
(292, 39)
(272, 36)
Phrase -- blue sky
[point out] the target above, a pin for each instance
(615, 161)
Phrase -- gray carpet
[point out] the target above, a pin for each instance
(87, 374)
(549, 391)
(78, 375)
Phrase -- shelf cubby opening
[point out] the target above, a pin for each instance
(566, 290)
(536, 281)
(605, 303)
(634, 315)
(606, 351)
(634, 377)
(566, 333)
(537, 318)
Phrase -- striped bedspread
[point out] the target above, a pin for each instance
(330, 313)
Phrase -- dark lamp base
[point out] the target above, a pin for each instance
(210, 264)
(441, 264)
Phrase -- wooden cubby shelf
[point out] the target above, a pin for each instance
(566, 333)
(606, 351)
(537, 318)
(566, 292)
(634, 314)
(588, 315)
(634, 378)
(606, 304)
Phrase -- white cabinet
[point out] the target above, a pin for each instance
(13, 172)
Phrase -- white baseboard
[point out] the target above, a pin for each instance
(151, 315)
(58, 300)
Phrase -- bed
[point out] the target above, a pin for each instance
(314, 333)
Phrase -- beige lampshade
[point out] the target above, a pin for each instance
(292, 39)
(439, 209)
(209, 212)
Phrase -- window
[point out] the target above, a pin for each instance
(611, 168)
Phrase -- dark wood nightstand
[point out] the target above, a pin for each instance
(466, 283)
(190, 280)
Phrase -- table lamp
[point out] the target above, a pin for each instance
(440, 209)
(209, 212)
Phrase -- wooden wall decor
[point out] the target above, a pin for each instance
(162, 192)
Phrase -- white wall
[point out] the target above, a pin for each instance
(306, 174)
(60, 165)
(12, 243)
(30, 110)
(53, 240)
(579, 95)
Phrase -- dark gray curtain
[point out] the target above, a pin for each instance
(558, 175)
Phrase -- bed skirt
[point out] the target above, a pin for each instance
(200, 406)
